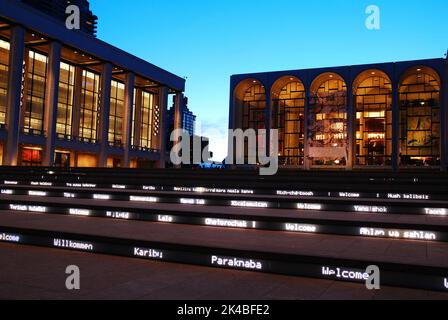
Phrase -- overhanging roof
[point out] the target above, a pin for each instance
(18, 13)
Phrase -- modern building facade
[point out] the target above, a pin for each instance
(377, 116)
(69, 99)
(57, 8)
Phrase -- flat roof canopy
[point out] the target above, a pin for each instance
(18, 13)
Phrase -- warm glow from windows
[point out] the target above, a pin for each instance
(4, 45)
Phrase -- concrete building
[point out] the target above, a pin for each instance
(378, 116)
(69, 99)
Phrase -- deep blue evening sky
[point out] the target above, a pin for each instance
(208, 40)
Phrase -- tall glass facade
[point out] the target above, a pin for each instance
(146, 120)
(420, 119)
(373, 99)
(290, 106)
(116, 114)
(65, 100)
(89, 106)
(4, 67)
(33, 116)
(327, 123)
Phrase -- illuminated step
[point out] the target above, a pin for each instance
(392, 274)
(391, 230)
(304, 193)
(305, 203)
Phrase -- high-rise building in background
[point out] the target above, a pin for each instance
(57, 8)
(188, 118)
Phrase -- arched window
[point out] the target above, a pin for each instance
(420, 118)
(254, 108)
(327, 123)
(288, 95)
(373, 102)
(249, 105)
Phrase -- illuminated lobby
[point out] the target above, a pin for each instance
(386, 116)
(68, 99)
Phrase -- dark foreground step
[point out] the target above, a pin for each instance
(402, 263)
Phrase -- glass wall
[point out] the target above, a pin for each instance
(327, 123)
(373, 101)
(146, 120)
(4, 67)
(65, 100)
(116, 114)
(254, 108)
(420, 118)
(289, 106)
(89, 106)
(35, 101)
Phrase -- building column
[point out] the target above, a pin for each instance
(76, 114)
(351, 127)
(268, 120)
(51, 102)
(178, 110)
(395, 127)
(306, 142)
(162, 139)
(103, 127)
(178, 115)
(138, 117)
(444, 119)
(16, 58)
(127, 118)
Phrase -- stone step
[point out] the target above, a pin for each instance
(402, 263)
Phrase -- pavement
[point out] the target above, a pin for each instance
(39, 274)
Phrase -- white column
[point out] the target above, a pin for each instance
(16, 56)
(51, 102)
